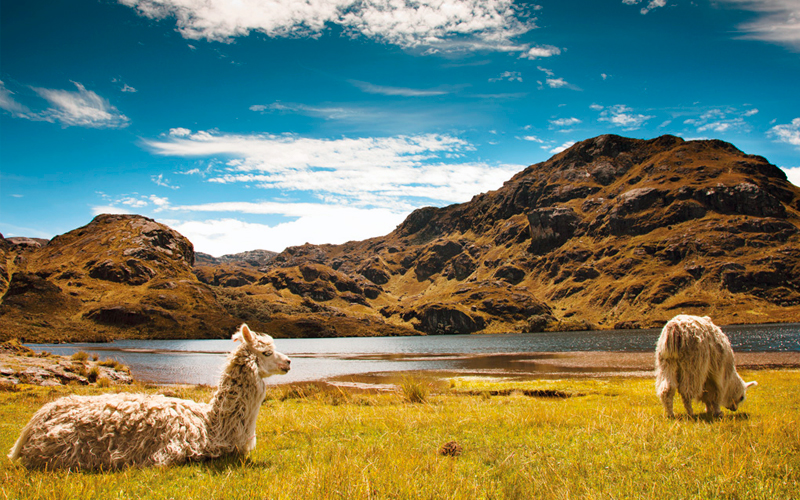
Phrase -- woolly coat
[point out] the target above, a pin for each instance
(694, 357)
(118, 430)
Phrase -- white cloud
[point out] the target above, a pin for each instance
(777, 21)
(438, 25)
(316, 224)
(652, 4)
(379, 172)
(179, 132)
(134, 202)
(371, 88)
(324, 112)
(109, 209)
(8, 103)
(556, 83)
(788, 133)
(623, 116)
(564, 122)
(82, 108)
(562, 147)
(721, 120)
(510, 76)
(793, 174)
(161, 181)
(532, 138)
(541, 51)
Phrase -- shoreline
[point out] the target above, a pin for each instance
(550, 365)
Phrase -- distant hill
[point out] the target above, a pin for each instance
(119, 276)
(611, 233)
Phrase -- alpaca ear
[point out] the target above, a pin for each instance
(248, 335)
(243, 334)
(748, 384)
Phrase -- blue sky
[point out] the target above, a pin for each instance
(246, 124)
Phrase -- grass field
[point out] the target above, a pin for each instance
(607, 439)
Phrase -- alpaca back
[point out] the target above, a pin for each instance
(112, 431)
(684, 353)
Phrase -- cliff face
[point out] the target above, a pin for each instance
(613, 232)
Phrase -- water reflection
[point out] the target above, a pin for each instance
(201, 361)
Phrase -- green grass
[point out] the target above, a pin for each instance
(609, 439)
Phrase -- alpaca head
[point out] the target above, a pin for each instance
(268, 360)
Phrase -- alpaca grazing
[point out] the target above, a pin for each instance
(695, 357)
(119, 430)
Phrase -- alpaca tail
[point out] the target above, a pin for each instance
(16, 451)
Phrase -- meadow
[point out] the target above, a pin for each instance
(575, 438)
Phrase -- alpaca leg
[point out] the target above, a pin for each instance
(667, 397)
(687, 403)
(713, 409)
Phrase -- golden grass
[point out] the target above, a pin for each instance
(608, 439)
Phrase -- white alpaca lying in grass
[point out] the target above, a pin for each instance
(119, 430)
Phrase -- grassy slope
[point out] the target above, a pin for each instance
(608, 441)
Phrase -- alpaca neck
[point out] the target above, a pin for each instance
(234, 408)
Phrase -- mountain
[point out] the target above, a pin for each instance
(120, 276)
(611, 233)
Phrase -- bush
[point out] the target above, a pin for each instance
(80, 356)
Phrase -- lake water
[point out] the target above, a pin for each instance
(201, 361)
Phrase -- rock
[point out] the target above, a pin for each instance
(131, 272)
(433, 260)
(511, 274)
(438, 319)
(551, 227)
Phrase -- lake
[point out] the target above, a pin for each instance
(200, 361)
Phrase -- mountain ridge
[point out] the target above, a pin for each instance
(612, 232)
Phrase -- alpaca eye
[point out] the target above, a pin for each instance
(267, 353)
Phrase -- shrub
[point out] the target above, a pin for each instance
(80, 356)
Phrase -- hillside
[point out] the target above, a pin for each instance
(120, 276)
(611, 233)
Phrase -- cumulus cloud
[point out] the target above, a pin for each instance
(564, 122)
(556, 83)
(793, 174)
(562, 147)
(777, 21)
(317, 224)
(788, 133)
(621, 116)
(383, 172)
(358, 188)
(541, 51)
(438, 25)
